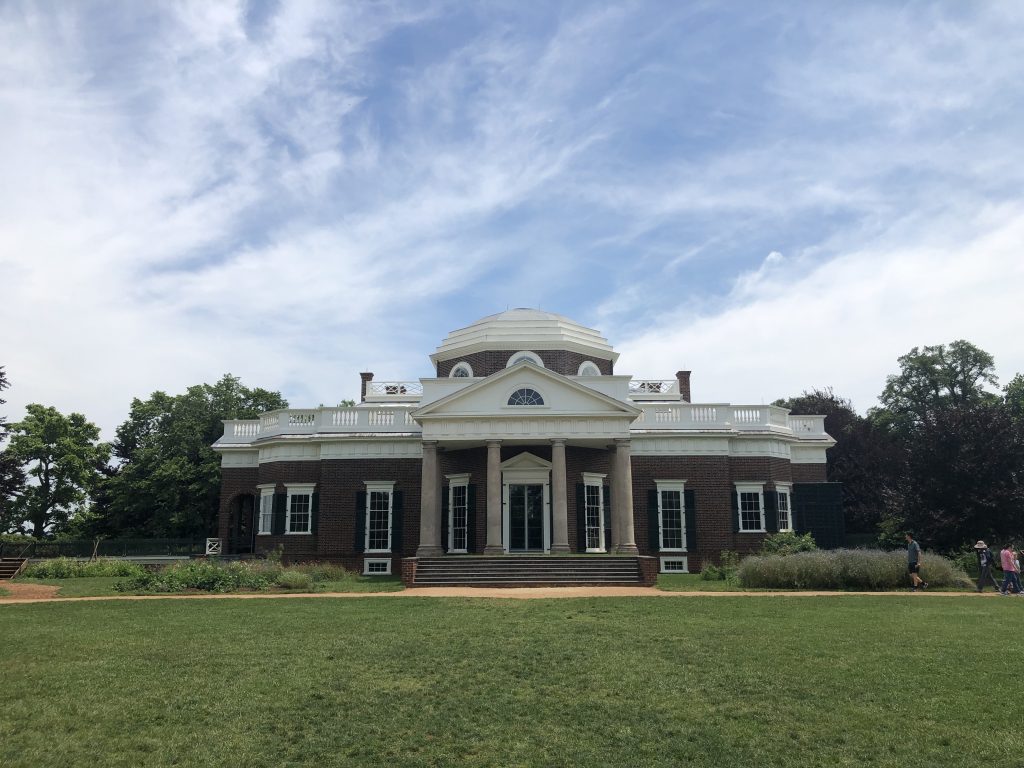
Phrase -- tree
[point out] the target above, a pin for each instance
(933, 378)
(168, 482)
(62, 455)
(1013, 398)
(12, 477)
(860, 459)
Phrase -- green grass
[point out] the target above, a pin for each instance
(692, 582)
(104, 585)
(361, 584)
(832, 681)
(4, 592)
(85, 586)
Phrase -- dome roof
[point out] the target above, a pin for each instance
(527, 329)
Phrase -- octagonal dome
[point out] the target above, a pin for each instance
(524, 329)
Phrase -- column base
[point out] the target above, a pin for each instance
(627, 549)
(492, 550)
(429, 551)
(560, 548)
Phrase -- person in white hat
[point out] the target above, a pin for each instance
(985, 561)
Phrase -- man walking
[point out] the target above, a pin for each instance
(985, 561)
(914, 564)
(1011, 577)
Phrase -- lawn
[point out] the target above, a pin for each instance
(93, 586)
(879, 681)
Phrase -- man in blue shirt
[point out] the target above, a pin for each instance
(914, 564)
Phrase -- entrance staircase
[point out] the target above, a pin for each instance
(11, 567)
(527, 571)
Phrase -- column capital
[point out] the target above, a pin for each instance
(493, 442)
(429, 443)
(622, 442)
(558, 441)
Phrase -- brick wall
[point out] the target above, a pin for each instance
(473, 461)
(809, 473)
(234, 481)
(491, 361)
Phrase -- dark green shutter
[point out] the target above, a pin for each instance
(360, 521)
(471, 518)
(735, 510)
(690, 501)
(397, 518)
(653, 531)
(771, 511)
(581, 517)
(280, 512)
(607, 491)
(446, 506)
(314, 512)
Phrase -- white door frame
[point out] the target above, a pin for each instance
(525, 469)
(591, 478)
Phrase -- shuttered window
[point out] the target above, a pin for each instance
(299, 509)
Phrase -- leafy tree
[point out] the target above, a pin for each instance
(860, 460)
(1013, 398)
(62, 455)
(12, 477)
(168, 483)
(938, 377)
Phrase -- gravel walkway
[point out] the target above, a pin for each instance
(22, 593)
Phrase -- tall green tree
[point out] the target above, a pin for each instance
(62, 454)
(935, 378)
(168, 481)
(12, 477)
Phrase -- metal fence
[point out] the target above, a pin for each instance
(107, 548)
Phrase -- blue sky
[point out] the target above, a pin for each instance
(777, 196)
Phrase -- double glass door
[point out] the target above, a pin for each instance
(526, 518)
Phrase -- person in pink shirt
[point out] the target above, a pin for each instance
(1011, 576)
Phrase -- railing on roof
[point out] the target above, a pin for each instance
(654, 387)
(726, 417)
(320, 420)
(382, 391)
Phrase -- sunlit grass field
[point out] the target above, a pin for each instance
(803, 681)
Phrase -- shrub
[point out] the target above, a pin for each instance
(856, 569)
(725, 571)
(294, 579)
(788, 543)
(711, 572)
(69, 568)
(205, 576)
(324, 571)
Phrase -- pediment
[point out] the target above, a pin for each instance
(525, 461)
(561, 396)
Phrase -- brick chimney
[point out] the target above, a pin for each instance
(363, 379)
(684, 385)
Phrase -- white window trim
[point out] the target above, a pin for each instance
(303, 489)
(757, 488)
(594, 479)
(672, 485)
(786, 488)
(462, 365)
(385, 486)
(684, 558)
(588, 363)
(457, 481)
(524, 385)
(265, 490)
(533, 357)
(375, 560)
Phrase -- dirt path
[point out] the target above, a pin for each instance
(22, 593)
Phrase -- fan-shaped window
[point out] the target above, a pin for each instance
(526, 397)
(462, 371)
(519, 357)
(587, 368)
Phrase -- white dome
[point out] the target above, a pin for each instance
(526, 329)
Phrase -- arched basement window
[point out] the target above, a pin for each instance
(462, 370)
(588, 368)
(519, 357)
(526, 397)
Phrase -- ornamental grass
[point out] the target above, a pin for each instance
(846, 569)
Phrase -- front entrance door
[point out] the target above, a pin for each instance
(525, 518)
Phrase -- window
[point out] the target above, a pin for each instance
(458, 511)
(593, 511)
(675, 565)
(588, 368)
(785, 514)
(750, 501)
(379, 497)
(671, 518)
(377, 567)
(525, 396)
(300, 509)
(265, 522)
(462, 370)
(524, 356)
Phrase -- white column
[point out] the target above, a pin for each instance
(430, 517)
(493, 546)
(622, 501)
(559, 502)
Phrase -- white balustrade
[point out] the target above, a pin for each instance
(653, 386)
(402, 389)
(244, 428)
(806, 426)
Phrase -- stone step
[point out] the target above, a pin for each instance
(527, 570)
